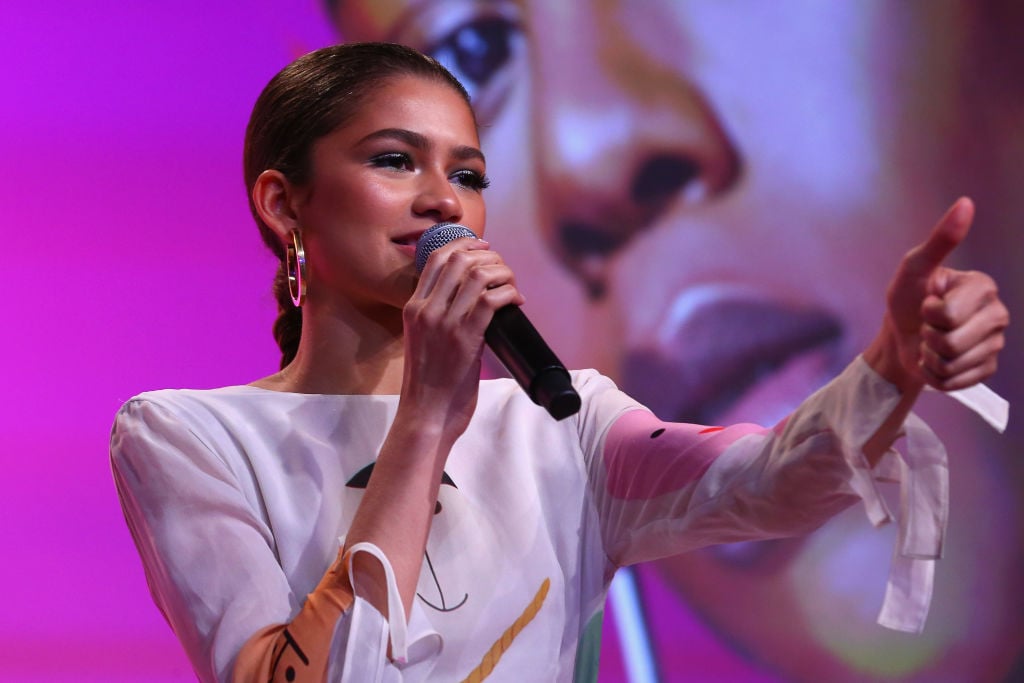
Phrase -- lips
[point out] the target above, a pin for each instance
(726, 355)
(408, 239)
(406, 243)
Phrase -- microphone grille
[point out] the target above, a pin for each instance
(436, 237)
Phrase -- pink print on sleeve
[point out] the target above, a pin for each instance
(645, 457)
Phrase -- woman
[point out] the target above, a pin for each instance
(487, 533)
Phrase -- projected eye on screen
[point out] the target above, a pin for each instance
(702, 201)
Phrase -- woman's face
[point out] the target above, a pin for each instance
(718, 193)
(408, 159)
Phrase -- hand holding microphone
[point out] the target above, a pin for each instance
(514, 340)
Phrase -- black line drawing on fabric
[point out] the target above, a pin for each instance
(360, 480)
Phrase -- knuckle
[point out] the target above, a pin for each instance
(412, 311)
(460, 258)
(478, 275)
(437, 258)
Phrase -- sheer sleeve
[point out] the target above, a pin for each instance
(211, 565)
(665, 488)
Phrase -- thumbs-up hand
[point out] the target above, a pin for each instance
(942, 327)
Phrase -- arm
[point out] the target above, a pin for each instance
(208, 554)
(698, 486)
(461, 286)
(942, 327)
(443, 324)
(212, 565)
(666, 488)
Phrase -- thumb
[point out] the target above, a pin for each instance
(947, 234)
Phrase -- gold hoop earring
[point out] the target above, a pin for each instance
(295, 263)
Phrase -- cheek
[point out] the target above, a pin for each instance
(321, 258)
(474, 214)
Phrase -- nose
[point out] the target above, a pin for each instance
(436, 198)
(621, 138)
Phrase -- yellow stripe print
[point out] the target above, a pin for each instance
(490, 660)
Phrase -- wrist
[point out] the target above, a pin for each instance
(894, 364)
(420, 435)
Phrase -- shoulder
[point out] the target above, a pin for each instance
(590, 381)
(163, 408)
(187, 421)
(203, 405)
(184, 398)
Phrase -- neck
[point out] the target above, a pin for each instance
(360, 352)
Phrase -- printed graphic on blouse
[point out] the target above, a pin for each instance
(360, 480)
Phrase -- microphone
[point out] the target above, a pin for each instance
(514, 340)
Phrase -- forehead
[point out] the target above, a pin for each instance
(423, 105)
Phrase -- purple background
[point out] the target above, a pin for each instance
(133, 265)
(137, 267)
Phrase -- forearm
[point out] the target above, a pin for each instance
(398, 506)
(742, 482)
(882, 355)
(394, 515)
(300, 650)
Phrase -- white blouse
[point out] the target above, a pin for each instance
(238, 498)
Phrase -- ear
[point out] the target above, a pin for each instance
(275, 199)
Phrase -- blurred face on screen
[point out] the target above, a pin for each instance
(706, 201)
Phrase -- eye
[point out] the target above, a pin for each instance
(472, 180)
(397, 160)
(477, 52)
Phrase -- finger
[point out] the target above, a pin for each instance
(964, 295)
(489, 302)
(440, 264)
(968, 375)
(962, 381)
(476, 283)
(946, 367)
(949, 232)
(952, 343)
(465, 276)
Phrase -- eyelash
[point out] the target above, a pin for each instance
(478, 182)
(392, 160)
(472, 180)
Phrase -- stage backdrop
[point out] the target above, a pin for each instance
(703, 201)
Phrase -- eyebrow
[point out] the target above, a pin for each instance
(420, 141)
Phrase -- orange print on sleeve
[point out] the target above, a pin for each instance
(298, 651)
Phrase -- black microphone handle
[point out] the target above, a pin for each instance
(514, 339)
(521, 349)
